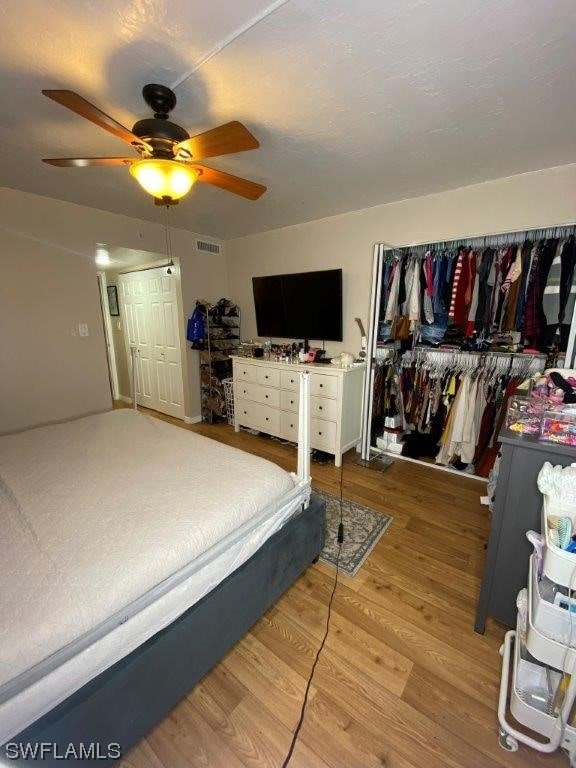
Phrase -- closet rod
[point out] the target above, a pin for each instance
(144, 269)
(382, 352)
(493, 352)
(494, 238)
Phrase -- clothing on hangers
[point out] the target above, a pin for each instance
(453, 404)
(514, 295)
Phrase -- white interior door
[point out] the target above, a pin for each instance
(165, 328)
(152, 328)
(134, 302)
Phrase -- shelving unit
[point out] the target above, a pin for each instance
(222, 341)
(540, 654)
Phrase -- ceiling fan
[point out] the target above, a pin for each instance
(167, 162)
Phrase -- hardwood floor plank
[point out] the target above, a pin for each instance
(260, 727)
(141, 756)
(354, 648)
(267, 676)
(187, 741)
(450, 624)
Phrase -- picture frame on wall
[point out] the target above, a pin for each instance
(113, 300)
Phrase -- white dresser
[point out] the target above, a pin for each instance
(266, 399)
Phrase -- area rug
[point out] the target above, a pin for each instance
(363, 528)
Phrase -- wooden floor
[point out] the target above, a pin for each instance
(403, 680)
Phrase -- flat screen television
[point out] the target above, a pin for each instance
(304, 305)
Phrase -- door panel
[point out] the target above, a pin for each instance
(141, 330)
(170, 329)
(161, 381)
(129, 326)
(158, 326)
(152, 326)
(176, 389)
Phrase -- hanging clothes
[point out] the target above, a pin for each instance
(393, 299)
(520, 294)
(512, 282)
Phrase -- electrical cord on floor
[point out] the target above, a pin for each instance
(340, 541)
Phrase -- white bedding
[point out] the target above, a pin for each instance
(112, 526)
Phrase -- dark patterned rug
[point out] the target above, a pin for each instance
(363, 528)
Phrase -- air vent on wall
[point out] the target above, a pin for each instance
(202, 245)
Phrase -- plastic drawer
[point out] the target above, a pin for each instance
(548, 619)
(541, 646)
(559, 565)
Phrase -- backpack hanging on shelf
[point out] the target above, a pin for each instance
(195, 331)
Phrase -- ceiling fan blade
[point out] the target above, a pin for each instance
(83, 162)
(85, 109)
(230, 183)
(224, 140)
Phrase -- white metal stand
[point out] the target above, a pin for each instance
(550, 645)
(302, 476)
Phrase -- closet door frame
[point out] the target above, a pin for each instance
(374, 316)
(569, 361)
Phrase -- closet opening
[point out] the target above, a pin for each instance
(455, 328)
(107, 310)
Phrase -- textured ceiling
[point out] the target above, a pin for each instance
(355, 104)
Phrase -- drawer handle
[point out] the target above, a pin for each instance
(319, 407)
(244, 391)
(291, 381)
(245, 413)
(321, 385)
(266, 376)
(291, 426)
(291, 402)
(319, 433)
(267, 419)
(266, 396)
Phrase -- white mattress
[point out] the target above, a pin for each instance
(111, 526)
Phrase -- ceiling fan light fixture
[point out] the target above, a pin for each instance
(166, 180)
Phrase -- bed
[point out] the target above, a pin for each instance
(136, 555)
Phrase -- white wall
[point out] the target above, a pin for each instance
(542, 198)
(47, 248)
(48, 371)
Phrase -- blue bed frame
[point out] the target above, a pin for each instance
(123, 703)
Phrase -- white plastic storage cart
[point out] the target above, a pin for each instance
(539, 660)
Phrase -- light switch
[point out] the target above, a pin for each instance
(83, 329)
(118, 325)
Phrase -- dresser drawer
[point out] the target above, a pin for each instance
(289, 400)
(323, 408)
(270, 377)
(290, 380)
(289, 426)
(246, 372)
(320, 407)
(323, 435)
(256, 415)
(259, 394)
(323, 385)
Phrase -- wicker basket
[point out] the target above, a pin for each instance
(228, 385)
